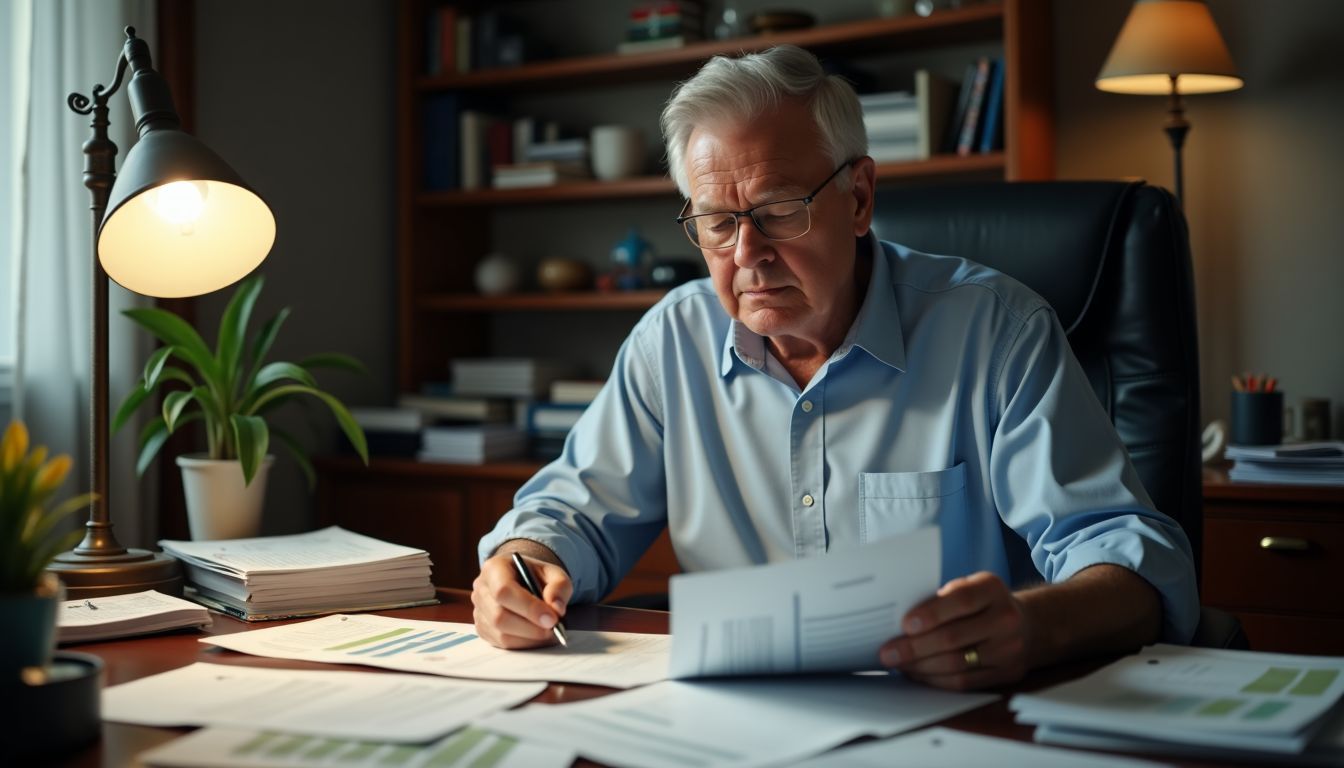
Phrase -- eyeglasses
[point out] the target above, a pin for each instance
(780, 220)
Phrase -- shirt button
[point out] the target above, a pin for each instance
(807, 406)
(808, 500)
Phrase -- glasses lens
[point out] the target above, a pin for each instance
(712, 230)
(783, 221)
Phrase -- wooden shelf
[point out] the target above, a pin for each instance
(656, 186)
(518, 471)
(519, 302)
(906, 33)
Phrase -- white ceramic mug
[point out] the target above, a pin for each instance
(617, 151)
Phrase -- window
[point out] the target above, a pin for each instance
(15, 27)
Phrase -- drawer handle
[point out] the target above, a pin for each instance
(1284, 544)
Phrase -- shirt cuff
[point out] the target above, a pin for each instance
(542, 529)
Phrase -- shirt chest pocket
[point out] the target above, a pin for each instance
(892, 503)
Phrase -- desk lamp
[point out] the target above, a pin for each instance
(177, 221)
(1169, 47)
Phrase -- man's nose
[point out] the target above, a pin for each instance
(753, 248)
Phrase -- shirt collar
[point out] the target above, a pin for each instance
(876, 329)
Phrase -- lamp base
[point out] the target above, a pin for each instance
(131, 570)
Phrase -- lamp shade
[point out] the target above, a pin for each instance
(180, 221)
(1162, 39)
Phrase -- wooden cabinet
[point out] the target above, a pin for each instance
(441, 235)
(1274, 556)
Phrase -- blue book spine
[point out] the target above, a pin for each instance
(442, 115)
(993, 110)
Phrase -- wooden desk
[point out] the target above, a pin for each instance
(127, 660)
(1285, 591)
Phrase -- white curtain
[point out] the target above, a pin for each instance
(74, 44)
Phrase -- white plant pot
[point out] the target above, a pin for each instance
(219, 505)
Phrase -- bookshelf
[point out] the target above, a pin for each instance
(441, 234)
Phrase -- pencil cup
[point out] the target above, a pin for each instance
(1257, 418)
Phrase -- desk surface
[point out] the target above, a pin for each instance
(134, 658)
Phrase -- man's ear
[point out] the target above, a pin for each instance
(862, 187)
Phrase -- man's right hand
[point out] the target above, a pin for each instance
(506, 613)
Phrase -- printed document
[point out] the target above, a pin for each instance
(615, 659)
(819, 614)
(138, 613)
(948, 748)
(733, 723)
(1219, 698)
(342, 704)
(238, 748)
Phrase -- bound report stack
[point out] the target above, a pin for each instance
(328, 571)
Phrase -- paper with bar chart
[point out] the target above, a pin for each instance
(733, 723)
(1197, 696)
(353, 705)
(243, 748)
(946, 748)
(616, 659)
(819, 614)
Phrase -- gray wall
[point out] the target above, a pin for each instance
(300, 99)
(1262, 183)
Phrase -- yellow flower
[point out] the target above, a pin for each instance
(53, 474)
(14, 445)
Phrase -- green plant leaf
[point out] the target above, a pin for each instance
(252, 437)
(279, 372)
(133, 400)
(300, 455)
(347, 422)
(333, 360)
(265, 338)
(154, 366)
(233, 329)
(176, 332)
(173, 403)
(152, 437)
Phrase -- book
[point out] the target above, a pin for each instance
(137, 613)
(953, 132)
(538, 174)
(983, 71)
(388, 419)
(671, 42)
(554, 417)
(326, 571)
(575, 391)
(473, 444)
(992, 131)
(453, 408)
(934, 97)
(442, 126)
(506, 377)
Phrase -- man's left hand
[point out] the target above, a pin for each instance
(971, 634)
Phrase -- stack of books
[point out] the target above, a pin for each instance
(976, 124)
(1209, 703)
(506, 377)
(388, 431)
(549, 424)
(908, 125)
(662, 25)
(1319, 463)
(328, 571)
(473, 445)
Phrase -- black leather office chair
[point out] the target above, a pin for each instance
(1113, 259)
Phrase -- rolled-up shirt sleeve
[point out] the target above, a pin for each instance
(1063, 481)
(603, 501)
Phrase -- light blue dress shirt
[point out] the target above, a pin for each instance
(954, 400)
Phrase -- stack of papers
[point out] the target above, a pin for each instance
(304, 575)
(1171, 696)
(1319, 463)
(139, 613)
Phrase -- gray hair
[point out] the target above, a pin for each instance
(739, 89)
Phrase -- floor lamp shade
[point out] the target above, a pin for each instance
(1166, 39)
(180, 222)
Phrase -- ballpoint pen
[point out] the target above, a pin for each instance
(525, 574)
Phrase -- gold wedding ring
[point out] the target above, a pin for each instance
(972, 657)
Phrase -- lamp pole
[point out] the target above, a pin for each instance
(100, 565)
(1176, 127)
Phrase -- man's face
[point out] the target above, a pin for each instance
(801, 288)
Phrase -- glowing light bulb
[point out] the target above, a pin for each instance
(180, 203)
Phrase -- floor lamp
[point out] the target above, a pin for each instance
(1170, 47)
(177, 221)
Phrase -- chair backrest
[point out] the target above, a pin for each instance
(1113, 259)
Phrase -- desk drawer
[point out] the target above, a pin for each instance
(1301, 574)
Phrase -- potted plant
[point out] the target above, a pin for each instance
(232, 390)
(29, 539)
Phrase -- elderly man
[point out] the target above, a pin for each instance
(823, 389)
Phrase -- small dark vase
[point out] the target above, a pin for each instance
(29, 619)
